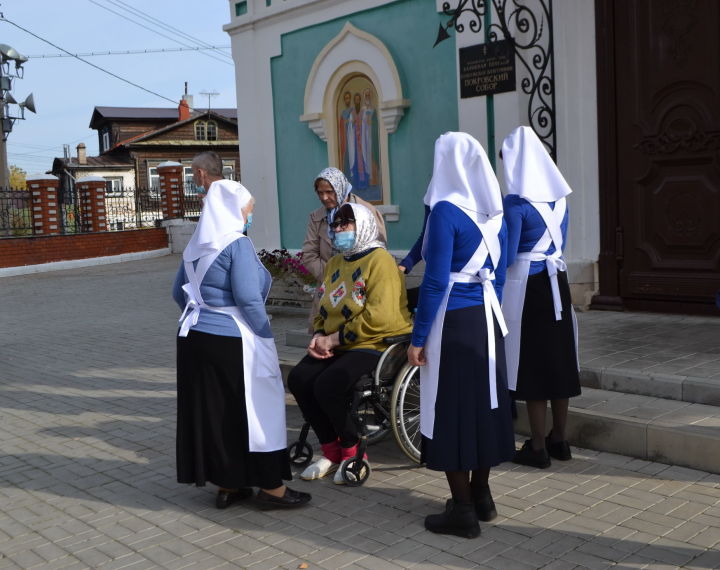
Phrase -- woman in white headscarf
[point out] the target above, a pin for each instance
(541, 347)
(231, 401)
(333, 190)
(458, 334)
(361, 301)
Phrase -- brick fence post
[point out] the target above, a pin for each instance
(93, 217)
(44, 199)
(172, 189)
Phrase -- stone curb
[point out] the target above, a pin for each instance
(690, 445)
(669, 386)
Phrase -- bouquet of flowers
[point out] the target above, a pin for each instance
(283, 265)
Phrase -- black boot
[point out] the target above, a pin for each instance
(459, 519)
(485, 506)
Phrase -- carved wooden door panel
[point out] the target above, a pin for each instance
(667, 66)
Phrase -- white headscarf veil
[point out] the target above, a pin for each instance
(529, 170)
(221, 220)
(366, 230)
(463, 176)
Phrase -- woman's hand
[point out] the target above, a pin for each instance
(321, 345)
(313, 349)
(325, 344)
(416, 355)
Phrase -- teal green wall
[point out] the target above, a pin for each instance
(408, 29)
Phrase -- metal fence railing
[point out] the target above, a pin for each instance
(125, 209)
(15, 213)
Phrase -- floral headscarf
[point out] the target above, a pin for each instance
(366, 230)
(342, 188)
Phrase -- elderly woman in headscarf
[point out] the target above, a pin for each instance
(362, 301)
(541, 347)
(231, 401)
(458, 334)
(333, 190)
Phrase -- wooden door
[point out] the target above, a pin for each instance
(663, 224)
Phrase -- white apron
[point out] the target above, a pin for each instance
(264, 390)
(516, 283)
(473, 272)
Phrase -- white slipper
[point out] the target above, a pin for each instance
(319, 469)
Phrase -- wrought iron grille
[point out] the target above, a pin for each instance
(125, 209)
(531, 20)
(15, 213)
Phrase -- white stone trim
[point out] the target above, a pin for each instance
(353, 51)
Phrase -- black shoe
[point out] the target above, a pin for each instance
(485, 506)
(226, 498)
(526, 455)
(458, 519)
(290, 500)
(559, 450)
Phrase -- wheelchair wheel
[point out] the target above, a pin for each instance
(355, 472)
(405, 411)
(300, 453)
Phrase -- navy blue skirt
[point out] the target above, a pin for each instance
(468, 434)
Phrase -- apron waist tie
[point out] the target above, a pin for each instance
(492, 307)
(553, 264)
(191, 314)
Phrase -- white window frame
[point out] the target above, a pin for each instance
(114, 186)
(106, 141)
(208, 126)
(153, 181)
(201, 129)
(228, 171)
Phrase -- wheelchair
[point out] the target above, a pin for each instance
(385, 400)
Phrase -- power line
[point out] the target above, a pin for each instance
(171, 38)
(127, 52)
(162, 24)
(174, 102)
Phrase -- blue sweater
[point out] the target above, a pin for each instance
(452, 240)
(237, 278)
(525, 228)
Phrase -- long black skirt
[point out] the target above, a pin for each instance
(467, 434)
(212, 426)
(548, 368)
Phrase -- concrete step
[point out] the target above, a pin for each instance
(654, 429)
(679, 387)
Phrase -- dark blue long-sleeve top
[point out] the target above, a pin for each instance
(525, 227)
(452, 240)
(236, 277)
(415, 253)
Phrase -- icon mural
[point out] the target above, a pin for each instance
(358, 137)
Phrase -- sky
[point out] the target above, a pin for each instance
(66, 90)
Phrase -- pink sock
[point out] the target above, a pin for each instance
(331, 451)
(348, 452)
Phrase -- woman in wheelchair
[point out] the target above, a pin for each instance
(362, 301)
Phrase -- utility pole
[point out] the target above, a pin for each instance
(8, 55)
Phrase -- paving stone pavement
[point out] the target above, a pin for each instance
(87, 477)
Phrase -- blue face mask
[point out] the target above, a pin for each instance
(344, 241)
(200, 191)
(248, 223)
